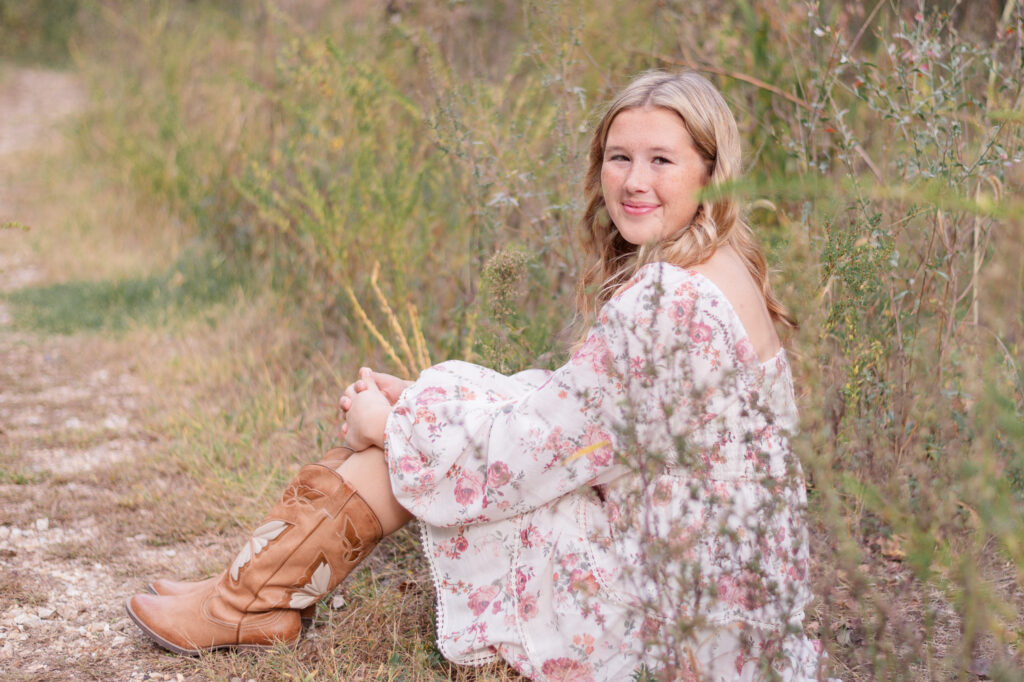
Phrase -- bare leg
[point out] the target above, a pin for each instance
(367, 472)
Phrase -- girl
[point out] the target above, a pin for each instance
(637, 509)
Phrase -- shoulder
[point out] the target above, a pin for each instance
(654, 280)
(669, 302)
(657, 285)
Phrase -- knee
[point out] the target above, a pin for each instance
(336, 456)
(362, 463)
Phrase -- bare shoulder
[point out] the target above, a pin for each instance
(727, 271)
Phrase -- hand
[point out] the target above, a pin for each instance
(366, 410)
(390, 385)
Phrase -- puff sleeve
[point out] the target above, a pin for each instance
(467, 445)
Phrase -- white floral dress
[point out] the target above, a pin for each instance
(639, 506)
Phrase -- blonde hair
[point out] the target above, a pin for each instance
(713, 128)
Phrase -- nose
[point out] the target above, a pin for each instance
(637, 179)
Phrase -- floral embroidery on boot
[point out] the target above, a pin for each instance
(261, 537)
(318, 586)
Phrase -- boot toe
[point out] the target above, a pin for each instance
(186, 624)
(147, 612)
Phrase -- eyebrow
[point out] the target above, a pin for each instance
(656, 150)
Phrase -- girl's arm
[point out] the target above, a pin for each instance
(461, 452)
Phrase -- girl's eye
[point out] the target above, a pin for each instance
(661, 160)
(618, 157)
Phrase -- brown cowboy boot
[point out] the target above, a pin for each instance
(173, 588)
(319, 531)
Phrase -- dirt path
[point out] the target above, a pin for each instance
(73, 414)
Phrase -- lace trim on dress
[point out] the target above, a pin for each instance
(442, 612)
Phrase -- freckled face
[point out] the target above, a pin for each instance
(651, 174)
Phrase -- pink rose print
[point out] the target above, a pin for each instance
(558, 444)
(481, 597)
(524, 537)
(740, 591)
(468, 488)
(527, 606)
(520, 581)
(498, 474)
(567, 670)
(700, 333)
(745, 351)
(594, 352)
(431, 395)
(680, 307)
(410, 464)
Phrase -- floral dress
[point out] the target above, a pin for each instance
(638, 507)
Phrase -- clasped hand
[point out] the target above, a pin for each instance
(365, 406)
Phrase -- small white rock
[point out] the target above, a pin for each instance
(42, 524)
(119, 640)
(45, 612)
(115, 422)
(68, 611)
(97, 627)
(27, 620)
(74, 423)
(338, 601)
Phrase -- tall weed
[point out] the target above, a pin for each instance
(446, 143)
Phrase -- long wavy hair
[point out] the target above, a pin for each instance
(612, 260)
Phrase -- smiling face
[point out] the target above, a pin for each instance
(651, 174)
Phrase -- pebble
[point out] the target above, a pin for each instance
(115, 422)
(97, 627)
(45, 612)
(27, 620)
(42, 524)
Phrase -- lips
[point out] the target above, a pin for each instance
(635, 209)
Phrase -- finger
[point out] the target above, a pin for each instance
(345, 403)
(366, 376)
(344, 428)
(350, 390)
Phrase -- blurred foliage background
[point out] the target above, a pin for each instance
(310, 141)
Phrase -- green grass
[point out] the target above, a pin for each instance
(189, 288)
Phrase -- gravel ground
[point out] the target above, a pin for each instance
(72, 418)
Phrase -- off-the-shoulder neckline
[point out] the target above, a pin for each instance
(737, 322)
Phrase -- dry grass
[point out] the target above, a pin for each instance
(908, 357)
